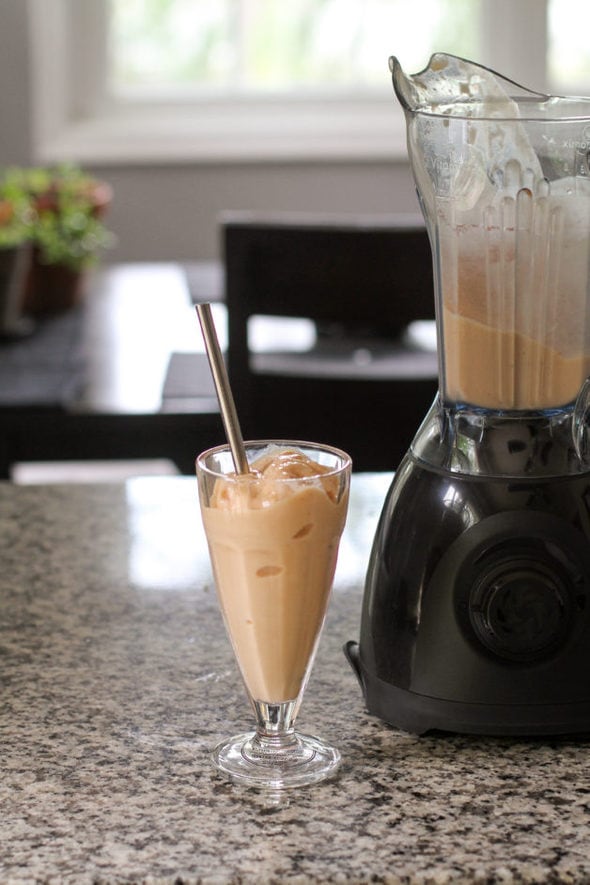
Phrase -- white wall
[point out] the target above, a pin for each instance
(15, 131)
(170, 212)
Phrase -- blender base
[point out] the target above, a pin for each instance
(420, 715)
(476, 611)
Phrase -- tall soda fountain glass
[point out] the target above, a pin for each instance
(273, 536)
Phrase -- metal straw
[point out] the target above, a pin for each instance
(229, 416)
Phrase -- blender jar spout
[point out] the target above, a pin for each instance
(450, 84)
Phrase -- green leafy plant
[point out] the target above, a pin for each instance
(16, 212)
(63, 213)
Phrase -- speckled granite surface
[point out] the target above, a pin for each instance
(116, 678)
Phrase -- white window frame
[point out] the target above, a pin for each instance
(72, 121)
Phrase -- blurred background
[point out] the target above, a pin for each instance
(192, 107)
(184, 111)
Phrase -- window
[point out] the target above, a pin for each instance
(568, 48)
(259, 80)
(269, 47)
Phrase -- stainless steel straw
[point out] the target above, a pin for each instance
(227, 406)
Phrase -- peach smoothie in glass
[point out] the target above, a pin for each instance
(273, 537)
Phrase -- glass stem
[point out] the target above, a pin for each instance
(275, 731)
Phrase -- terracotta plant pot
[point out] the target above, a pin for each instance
(51, 288)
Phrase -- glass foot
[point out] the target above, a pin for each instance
(275, 764)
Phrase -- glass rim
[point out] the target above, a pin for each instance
(544, 119)
(284, 443)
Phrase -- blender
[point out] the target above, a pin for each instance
(476, 610)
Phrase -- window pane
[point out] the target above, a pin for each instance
(569, 46)
(270, 46)
(161, 42)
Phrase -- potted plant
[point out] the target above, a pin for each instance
(16, 224)
(67, 232)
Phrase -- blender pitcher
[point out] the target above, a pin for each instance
(476, 613)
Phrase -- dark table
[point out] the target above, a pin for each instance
(105, 379)
(124, 374)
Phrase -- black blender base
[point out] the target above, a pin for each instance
(418, 714)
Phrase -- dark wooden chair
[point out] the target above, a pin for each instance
(362, 386)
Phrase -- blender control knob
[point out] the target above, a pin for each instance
(520, 609)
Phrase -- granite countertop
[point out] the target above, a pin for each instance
(117, 679)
